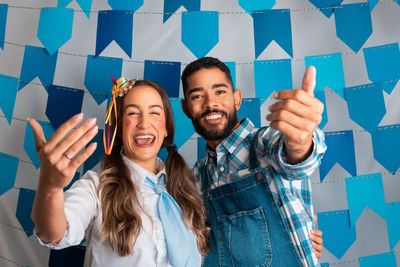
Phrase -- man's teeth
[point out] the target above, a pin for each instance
(144, 136)
(213, 117)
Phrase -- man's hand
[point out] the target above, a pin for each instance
(317, 242)
(297, 115)
(59, 158)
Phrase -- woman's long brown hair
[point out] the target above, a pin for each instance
(120, 202)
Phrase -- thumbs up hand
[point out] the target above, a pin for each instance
(297, 115)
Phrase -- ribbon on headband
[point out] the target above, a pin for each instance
(120, 89)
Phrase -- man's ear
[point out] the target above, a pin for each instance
(185, 109)
(237, 96)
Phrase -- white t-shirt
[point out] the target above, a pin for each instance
(84, 216)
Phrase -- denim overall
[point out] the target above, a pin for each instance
(247, 229)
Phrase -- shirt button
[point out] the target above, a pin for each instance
(222, 169)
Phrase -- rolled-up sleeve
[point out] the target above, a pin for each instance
(302, 169)
(80, 207)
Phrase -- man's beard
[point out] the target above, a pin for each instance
(216, 134)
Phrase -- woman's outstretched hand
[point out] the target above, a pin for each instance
(59, 158)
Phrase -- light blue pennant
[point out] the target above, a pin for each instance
(392, 217)
(250, 108)
(24, 210)
(31, 69)
(131, 5)
(365, 191)
(274, 24)
(320, 95)
(329, 72)
(372, 4)
(232, 69)
(183, 125)
(383, 65)
(29, 142)
(9, 167)
(386, 145)
(86, 5)
(3, 23)
(165, 73)
(326, 6)
(272, 75)
(340, 150)
(387, 259)
(353, 24)
(97, 155)
(339, 235)
(55, 27)
(163, 154)
(253, 5)
(62, 104)
(8, 94)
(200, 31)
(171, 6)
(99, 71)
(366, 105)
(114, 25)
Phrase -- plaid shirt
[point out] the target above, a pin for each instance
(290, 184)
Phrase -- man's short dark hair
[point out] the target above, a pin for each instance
(205, 63)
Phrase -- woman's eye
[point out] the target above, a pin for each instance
(133, 113)
(155, 113)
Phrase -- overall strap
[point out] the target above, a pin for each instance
(254, 164)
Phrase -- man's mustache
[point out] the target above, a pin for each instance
(213, 111)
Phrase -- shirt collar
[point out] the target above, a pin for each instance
(233, 140)
(139, 174)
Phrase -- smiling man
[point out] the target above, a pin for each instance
(255, 182)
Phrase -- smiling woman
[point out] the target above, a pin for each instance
(137, 211)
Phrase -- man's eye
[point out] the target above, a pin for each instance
(195, 97)
(220, 92)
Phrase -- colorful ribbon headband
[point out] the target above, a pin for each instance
(120, 88)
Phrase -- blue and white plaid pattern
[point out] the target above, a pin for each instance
(290, 184)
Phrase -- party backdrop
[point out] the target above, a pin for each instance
(57, 57)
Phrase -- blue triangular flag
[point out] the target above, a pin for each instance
(386, 145)
(339, 235)
(353, 24)
(201, 147)
(62, 104)
(340, 150)
(250, 108)
(392, 217)
(366, 105)
(3, 23)
(326, 7)
(253, 5)
(165, 73)
(85, 5)
(365, 191)
(24, 210)
(272, 75)
(55, 27)
(99, 71)
(200, 31)
(329, 72)
(114, 25)
(383, 65)
(131, 5)
(171, 6)
(31, 69)
(8, 94)
(274, 24)
(29, 142)
(183, 125)
(9, 167)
